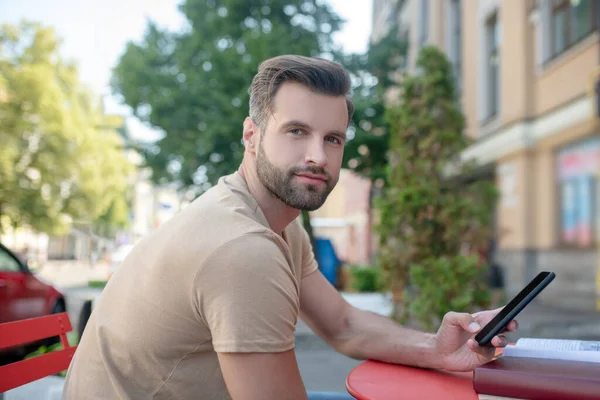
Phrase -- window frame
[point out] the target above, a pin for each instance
(560, 242)
(566, 7)
(424, 22)
(456, 33)
(492, 50)
(593, 183)
(10, 254)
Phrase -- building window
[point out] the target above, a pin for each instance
(455, 50)
(577, 168)
(493, 65)
(404, 41)
(571, 21)
(424, 25)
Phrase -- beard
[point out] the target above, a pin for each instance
(287, 188)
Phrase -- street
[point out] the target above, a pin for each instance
(322, 368)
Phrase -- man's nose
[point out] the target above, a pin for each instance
(316, 154)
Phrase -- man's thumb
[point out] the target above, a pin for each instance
(464, 320)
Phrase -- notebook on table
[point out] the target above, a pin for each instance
(548, 369)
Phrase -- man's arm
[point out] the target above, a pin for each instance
(361, 334)
(246, 295)
(365, 335)
(257, 376)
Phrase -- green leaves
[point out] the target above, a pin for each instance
(60, 158)
(193, 85)
(439, 287)
(431, 223)
(373, 72)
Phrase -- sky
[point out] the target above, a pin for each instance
(94, 33)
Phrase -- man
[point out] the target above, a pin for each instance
(206, 306)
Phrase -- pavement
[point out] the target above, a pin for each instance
(322, 368)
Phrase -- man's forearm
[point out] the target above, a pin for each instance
(371, 336)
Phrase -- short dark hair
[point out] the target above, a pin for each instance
(318, 74)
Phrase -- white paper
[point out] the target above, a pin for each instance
(558, 349)
(558, 344)
(587, 356)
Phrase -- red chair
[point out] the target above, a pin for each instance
(32, 330)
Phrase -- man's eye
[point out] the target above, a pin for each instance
(334, 140)
(296, 131)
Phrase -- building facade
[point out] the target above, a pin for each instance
(345, 219)
(526, 72)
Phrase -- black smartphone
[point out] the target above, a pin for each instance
(516, 305)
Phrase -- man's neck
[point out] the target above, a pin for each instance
(278, 214)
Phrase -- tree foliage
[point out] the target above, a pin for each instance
(432, 222)
(60, 159)
(374, 72)
(193, 85)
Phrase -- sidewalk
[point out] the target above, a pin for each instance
(554, 323)
(49, 388)
(67, 273)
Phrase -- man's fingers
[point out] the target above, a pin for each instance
(484, 317)
(464, 320)
(512, 326)
(487, 352)
(488, 313)
(473, 323)
(499, 341)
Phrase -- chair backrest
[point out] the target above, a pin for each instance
(31, 330)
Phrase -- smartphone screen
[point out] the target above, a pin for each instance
(515, 306)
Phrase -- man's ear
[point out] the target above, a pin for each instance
(250, 135)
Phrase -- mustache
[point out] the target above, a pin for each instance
(311, 170)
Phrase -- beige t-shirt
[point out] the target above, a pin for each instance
(214, 278)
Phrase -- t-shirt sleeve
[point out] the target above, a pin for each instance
(247, 294)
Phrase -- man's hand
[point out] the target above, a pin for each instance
(456, 346)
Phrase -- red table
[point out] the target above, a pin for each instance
(374, 380)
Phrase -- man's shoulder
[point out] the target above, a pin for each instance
(225, 208)
(296, 230)
(258, 247)
(229, 198)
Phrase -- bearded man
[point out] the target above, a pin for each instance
(205, 307)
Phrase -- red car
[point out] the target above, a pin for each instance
(22, 294)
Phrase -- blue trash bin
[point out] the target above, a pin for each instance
(327, 259)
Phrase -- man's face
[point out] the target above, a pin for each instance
(301, 149)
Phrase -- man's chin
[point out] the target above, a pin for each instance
(308, 205)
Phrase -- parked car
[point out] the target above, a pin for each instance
(22, 294)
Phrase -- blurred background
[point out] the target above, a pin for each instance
(472, 163)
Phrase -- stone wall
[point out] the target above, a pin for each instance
(574, 286)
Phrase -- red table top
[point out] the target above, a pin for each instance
(374, 380)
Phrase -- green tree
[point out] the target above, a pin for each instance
(432, 221)
(59, 161)
(193, 85)
(375, 73)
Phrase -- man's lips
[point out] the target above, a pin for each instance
(312, 177)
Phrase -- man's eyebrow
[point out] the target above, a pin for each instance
(300, 124)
